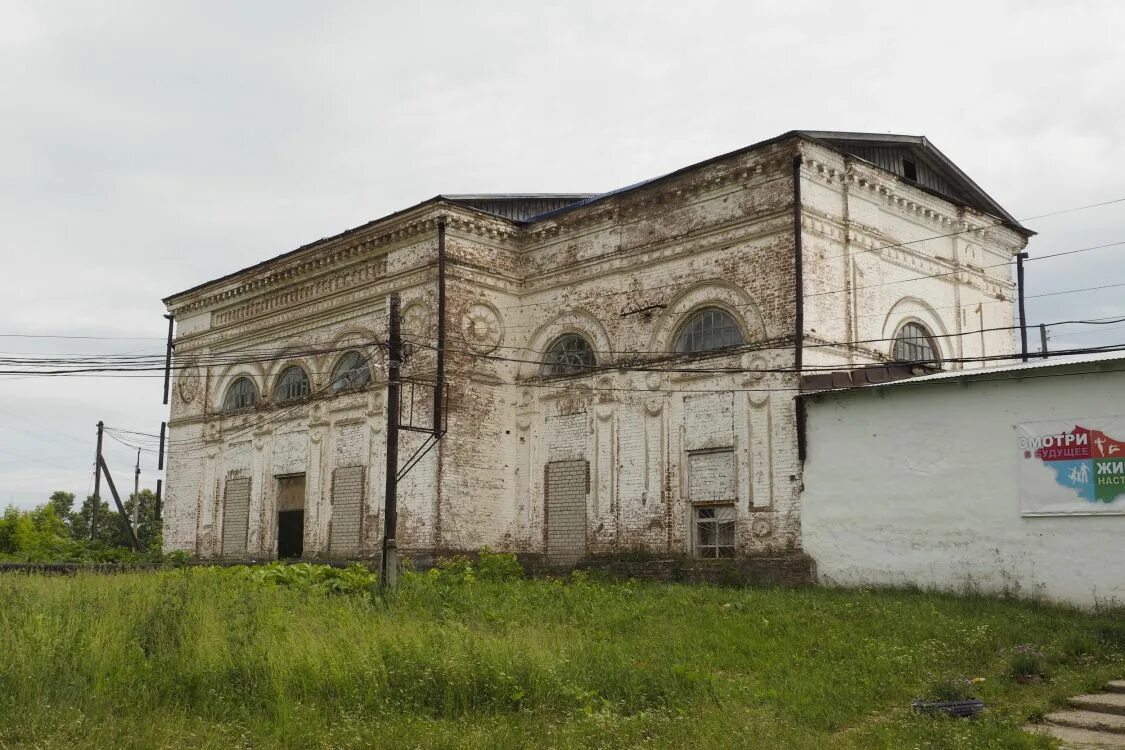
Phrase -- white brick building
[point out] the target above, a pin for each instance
(579, 423)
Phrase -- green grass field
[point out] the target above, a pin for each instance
(208, 658)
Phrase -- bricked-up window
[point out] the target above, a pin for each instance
(714, 531)
(569, 355)
(352, 371)
(236, 517)
(710, 328)
(711, 476)
(242, 394)
(347, 511)
(293, 384)
(913, 343)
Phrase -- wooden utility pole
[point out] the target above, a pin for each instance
(388, 572)
(137, 493)
(97, 484)
(1043, 340)
(120, 506)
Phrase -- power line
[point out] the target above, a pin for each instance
(69, 336)
(860, 251)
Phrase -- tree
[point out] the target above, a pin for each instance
(63, 503)
(113, 530)
(148, 526)
(80, 529)
(8, 530)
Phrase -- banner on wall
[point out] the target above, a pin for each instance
(1073, 467)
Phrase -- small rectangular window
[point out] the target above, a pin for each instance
(909, 170)
(714, 532)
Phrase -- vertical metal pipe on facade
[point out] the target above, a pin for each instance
(168, 359)
(798, 271)
(439, 378)
(1023, 314)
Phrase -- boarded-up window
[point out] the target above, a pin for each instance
(347, 511)
(236, 517)
(566, 511)
(711, 477)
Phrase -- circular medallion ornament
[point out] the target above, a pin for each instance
(416, 320)
(482, 328)
(188, 383)
(761, 528)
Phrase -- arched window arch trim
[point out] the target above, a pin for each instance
(718, 293)
(913, 347)
(241, 394)
(356, 375)
(708, 327)
(575, 320)
(287, 392)
(569, 353)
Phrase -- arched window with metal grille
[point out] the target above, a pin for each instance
(915, 343)
(570, 354)
(351, 371)
(242, 394)
(708, 329)
(293, 385)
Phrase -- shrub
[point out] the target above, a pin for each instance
(354, 579)
(489, 566)
(498, 567)
(950, 689)
(1025, 662)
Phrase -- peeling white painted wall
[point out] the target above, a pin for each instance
(626, 272)
(916, 484)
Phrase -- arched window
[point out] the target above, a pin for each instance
(914, 343)
(242, 394)
(351, 371)
(292, 385)
(569, 355)
(710, 328)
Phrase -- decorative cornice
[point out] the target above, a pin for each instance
(378, 239)
(325, 285)
(631, 204)
(915, 203)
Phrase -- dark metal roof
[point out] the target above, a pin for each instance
(934, 171)
(936, 174)
(518, 206)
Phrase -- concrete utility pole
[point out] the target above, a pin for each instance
(97, 484)
(388, 573)
(160, 482)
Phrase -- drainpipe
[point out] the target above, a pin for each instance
(798, 271)
(1023, 313)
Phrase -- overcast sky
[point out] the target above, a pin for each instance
(147, 147)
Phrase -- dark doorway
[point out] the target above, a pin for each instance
(290, 516)
(290, 533)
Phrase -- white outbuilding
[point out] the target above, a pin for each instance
(1005, 479)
